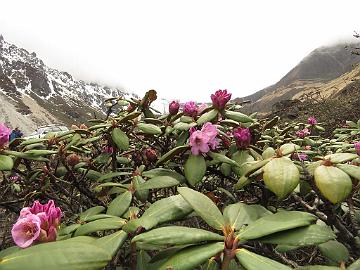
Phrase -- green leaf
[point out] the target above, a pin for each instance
(352, 170)
(120, 204)
(120, 139)
(6, 163)
(319, 267)
(8, 251)
(222, 158)
(204, 207)
(164, 172)
(91, 211)
(207, 117)
(111, 243)
(278, 222)
(142, 260)
(195, 169)
(96, 217)
(100, 225)
(354, 266)
(149, 129)
(240, 214)
(341, 157)
(36, 152)
(173, 152)
(65, 255)
(112, 175)
(68, 229)
(289, 148)
(335, 251)
(304, 236)
(191, 257)
(184, 126)
(252, 261)
(239, 117)
(176, 235)
(168, 209)
(159, 182)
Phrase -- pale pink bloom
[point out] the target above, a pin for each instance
(300, 156)
(211, 131)
(302, 133)
(312, 120)
(220, 98)
(174, 107)
(199, 142)
(357, 147)
(48, 217)
(4, 135)
(190, 108)
(201, 108)
(26, 230)
(242, 137)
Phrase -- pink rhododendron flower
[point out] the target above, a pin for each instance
(108, 149)
(201, 108)
(312, 120)
(211, 131)
(190, 108)
(201, 141)
(26, 230)
(242, 137)
(4, 134)
(220, 98)
(174, 107)
(357, 147)
(302, 133)
(300, 156)
(44, 217)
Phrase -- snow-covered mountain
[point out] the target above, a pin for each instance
(33, 94)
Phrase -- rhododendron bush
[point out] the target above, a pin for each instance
(202, 187)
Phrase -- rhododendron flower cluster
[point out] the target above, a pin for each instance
(4, 135)
(312, 120)
(300, 156)
(302, 133)
(357, 147)
(242, 137)
(190, 109)
(220, 98)
(174, 107)
(201, 141)
(38, 223)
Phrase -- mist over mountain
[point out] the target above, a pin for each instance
(32, 94)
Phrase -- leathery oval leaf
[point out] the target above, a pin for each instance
(334, 184)
(252, 261)
(195, 169)
(120, 139)
(64, 255)
(278, 222)
(120, 204)
(191, 257)
(176, 235)
(100, 225)
(281, 176)
(204, 207)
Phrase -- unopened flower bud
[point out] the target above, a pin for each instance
(174, 107)
(73, 159)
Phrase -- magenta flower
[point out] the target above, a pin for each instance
(242, 137)
(190, 108)
(220, 98)
(44, 217)
(174, 107)
(202, 140)
(302, 133)
(312, 120)
(357, 147)
(300, 156)
(108, 149)
(4, 135)
(26, 230)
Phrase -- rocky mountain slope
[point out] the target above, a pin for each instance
(326, 70)
(33, 94)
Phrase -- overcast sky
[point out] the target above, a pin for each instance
(184, 49)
